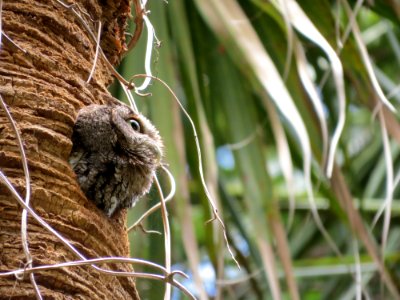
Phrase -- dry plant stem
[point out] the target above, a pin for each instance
(168, 277)
(24, 218)
(139, 12)
(138, 32)
(211, 201)
(101, 260)
(269, 264)
(154, 208)
(144, 230)
(167, 236)
(387, 206)
(249, 275)
(96, 56)
(357, 225)
(290, 38)
(367, 61)
(129, 96)
(342, 40)
(316, 100)
(3, 34)
(391, 123)
(284, 158)
(283, 249)
(91, 34)
(147, 59)
(382, 98)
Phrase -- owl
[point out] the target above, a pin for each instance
(115, 154)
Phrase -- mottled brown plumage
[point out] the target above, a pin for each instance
(115, 155)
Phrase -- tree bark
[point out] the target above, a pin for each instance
(43, 73)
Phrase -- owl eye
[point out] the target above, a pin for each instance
(135, 124)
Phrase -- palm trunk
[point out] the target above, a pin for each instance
(43, 73)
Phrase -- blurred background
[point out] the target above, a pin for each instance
(295, 109)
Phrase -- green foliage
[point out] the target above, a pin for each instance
(207, 58)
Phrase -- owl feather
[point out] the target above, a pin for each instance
(115, 154)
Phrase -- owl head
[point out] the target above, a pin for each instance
(136, 137)
(115, 154)
(118, 131)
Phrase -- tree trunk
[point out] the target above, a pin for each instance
(43, 73)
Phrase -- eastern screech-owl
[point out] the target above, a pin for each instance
(115, 155)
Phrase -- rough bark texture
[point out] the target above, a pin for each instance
(44, 88)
